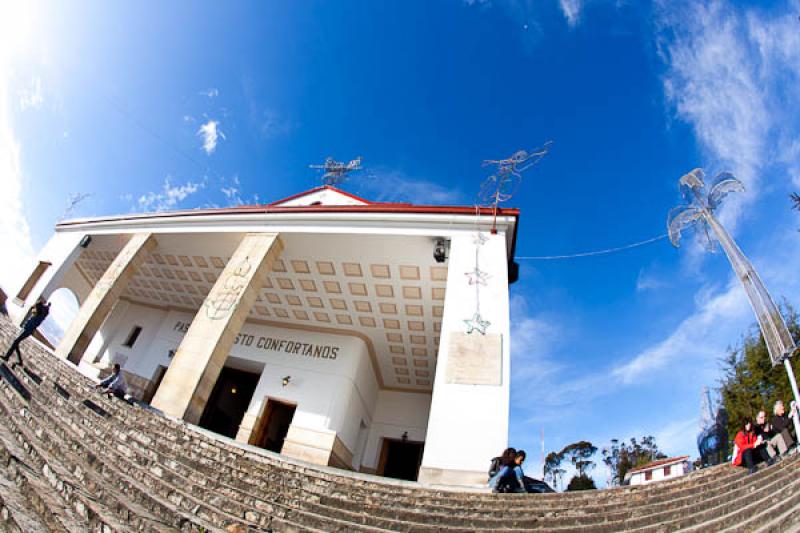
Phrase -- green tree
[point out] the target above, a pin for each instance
(749, 382)
(582, 482)
(579, 454)
(621, 457)
(552, 468)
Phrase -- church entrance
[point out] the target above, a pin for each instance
(400, 459)
(228, 401)
(273, 425)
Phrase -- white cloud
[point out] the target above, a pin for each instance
(210, 93)
(386, 185)
(732, 75)
(233, 193)
(15, 238)
(700, 338)
(648, 281)
(32, 97)
(571, 10)
(210, 133)
(168, 197)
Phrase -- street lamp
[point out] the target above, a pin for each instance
(699, 209)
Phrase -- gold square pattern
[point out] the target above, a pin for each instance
(357, 289)
(314, 301)
(416, 325)
(411, 292)
(366, 321)
(380, 271)
(285, 284)
(387, 309)
(332, 287)
(362, 306)
(308, 285)
(300, 267)
(390, 323)
(409, 272)
(326, 268)
(322, 317)
(277, 266)
(338, 303)
(399, 361)
(394, 337)
(344, 319)
(299, 314)
(438, 273)
(414, 310)
(384, 291)
(291, 299)
(352, 270)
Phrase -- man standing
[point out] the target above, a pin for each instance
(114, 384)
(40, 312)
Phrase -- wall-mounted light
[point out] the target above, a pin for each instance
(233, 390)
(440, 251)
(404, 438)
(286, 379)
(85, 241)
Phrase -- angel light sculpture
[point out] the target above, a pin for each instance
(699, 211)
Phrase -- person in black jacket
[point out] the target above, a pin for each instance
(40, 312)
(781, 427)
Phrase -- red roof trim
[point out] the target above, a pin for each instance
(269, 209)
(317, 189)
(660, 462)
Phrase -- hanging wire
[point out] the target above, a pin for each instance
(595, 252)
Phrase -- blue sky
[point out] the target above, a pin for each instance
(151, 106)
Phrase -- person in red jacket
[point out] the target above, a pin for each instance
(748, 448)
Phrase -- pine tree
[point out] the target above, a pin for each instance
(749, 382)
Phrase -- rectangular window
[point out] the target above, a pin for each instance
(32, 280)
(132, 336)
(648, 475)
(667, 470)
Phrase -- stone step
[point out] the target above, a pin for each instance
(499, 524)
(72, 476)
(20, 507)
(417, 495)
(151, 480)
(158, 453)
(393, 495)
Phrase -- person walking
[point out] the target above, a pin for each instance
(39, 313)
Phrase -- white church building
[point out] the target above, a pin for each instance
(367, 336)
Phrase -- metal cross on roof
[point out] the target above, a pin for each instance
(337, 171)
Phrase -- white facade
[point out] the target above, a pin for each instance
(356, 279)
(660, 471)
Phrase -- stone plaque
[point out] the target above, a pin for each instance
(475, 359)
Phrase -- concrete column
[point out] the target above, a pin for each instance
(468, 422)
(104, 296)
(201, 355)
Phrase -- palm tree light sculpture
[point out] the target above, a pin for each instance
(700, 209)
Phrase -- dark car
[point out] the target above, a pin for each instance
(536, 486)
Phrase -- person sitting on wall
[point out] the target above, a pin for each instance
(38, 314)
(747, 451)
(781, 427)
(763, 430)
(114, 384)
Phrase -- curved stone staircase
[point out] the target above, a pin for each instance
(73, 460)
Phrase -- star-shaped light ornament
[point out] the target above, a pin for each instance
(477, 323)
(479, 239)
(477, 277)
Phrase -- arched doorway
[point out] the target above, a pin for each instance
(63, 309)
